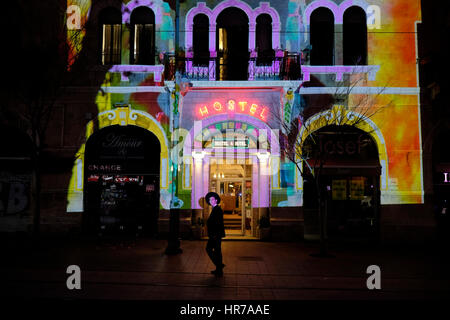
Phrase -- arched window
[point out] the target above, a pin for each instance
(201, 40)
(355, 36)
(264, 39)
(232, 44)
(110, 21)
(322, 37)
(142, 36)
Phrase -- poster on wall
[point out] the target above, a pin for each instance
(339, 189)
(357, 188)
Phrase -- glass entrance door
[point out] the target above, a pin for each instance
(234, 185)
(231, 192)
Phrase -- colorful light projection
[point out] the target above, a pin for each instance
(392, 48)
(233, 106)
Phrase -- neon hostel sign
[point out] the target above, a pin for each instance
(231, 107)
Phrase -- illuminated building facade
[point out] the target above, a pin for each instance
(248, 68)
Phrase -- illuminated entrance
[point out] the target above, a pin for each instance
(234, 158)
(232, 180)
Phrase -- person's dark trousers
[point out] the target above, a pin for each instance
(214, 250)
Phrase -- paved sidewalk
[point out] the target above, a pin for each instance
(139, 270)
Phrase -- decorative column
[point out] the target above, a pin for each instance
(252, 65)
(126, 46)
(251, 36)
(212, 51)
(197, 178)
(255, 183)
(277, 63)
(264, 180)
(212, 65)
(189, 61)
(338, 47)
(212, 37)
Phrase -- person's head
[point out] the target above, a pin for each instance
(212, 199)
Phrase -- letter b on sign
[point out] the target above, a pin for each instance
(74, 280)
(374, 281)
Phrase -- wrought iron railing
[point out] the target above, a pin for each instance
(285, 67)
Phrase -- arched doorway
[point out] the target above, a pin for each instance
(346, 166)
(232, 44)
(121, 194)
(233, 158)
(231, 170)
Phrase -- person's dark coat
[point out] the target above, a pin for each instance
(216, 228)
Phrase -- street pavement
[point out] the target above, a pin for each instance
(138, 269)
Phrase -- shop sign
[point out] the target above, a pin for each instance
(121, 141)
(105, 167)
(339, 146)
(230, 143)
(446, 177)
(232, 107)
(115, 178)
(122, 145)
(339, 189)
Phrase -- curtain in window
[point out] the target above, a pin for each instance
(111, 44)
(110, 23)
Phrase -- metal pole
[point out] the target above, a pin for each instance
(173, 245)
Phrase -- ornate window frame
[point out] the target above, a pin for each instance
(252, 14)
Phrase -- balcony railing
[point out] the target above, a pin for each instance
(284, 66)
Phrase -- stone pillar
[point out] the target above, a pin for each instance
(264, 180)
(252, 36)
(197, 179)
(212, 37)
(338, 45)
(126, 45)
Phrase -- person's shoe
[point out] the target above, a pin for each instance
(217, 273)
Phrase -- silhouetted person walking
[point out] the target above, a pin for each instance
(216, 231)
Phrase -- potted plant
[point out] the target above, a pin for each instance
(264, 227)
